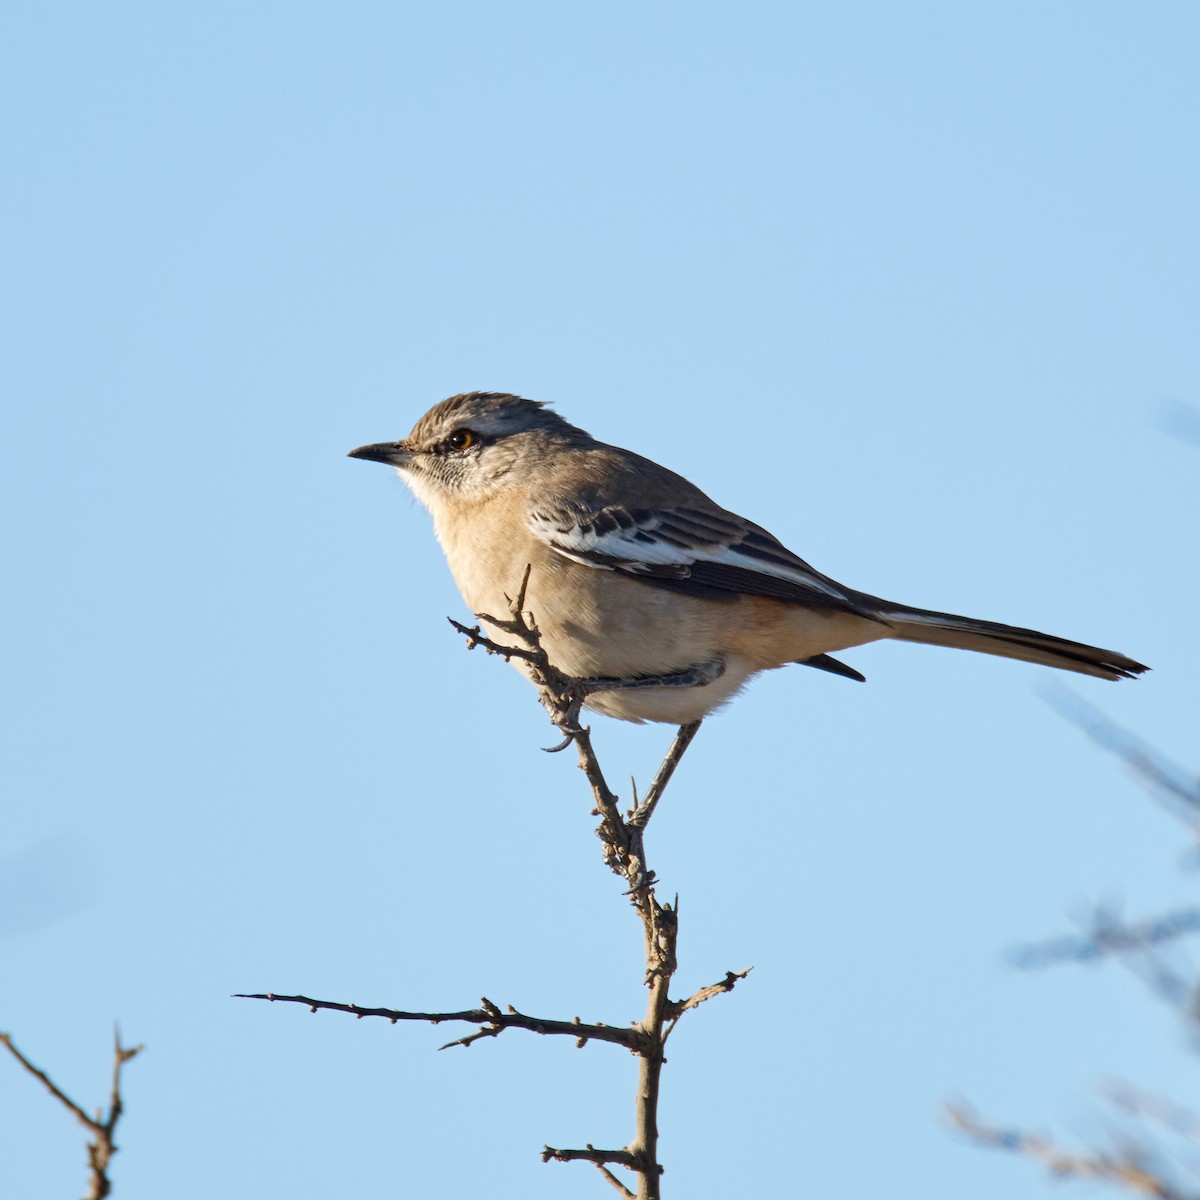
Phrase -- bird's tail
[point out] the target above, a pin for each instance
(1008, 641)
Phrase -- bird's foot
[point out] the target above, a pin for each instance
(698, 676)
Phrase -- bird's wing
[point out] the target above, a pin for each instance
(716, 555)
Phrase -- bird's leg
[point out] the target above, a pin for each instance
(642, 811)
(575, 691)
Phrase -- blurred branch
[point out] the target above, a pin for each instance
(1174, 1117)
(1135, 947)
(1104, 935)
(1133, 1168)
(1175, 788)
(1138, 946)
(102, 1128)
(1136, 1164)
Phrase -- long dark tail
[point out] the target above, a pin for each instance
(1008, 641)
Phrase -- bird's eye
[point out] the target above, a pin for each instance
(462, 439)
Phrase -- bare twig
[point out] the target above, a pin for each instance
(102, 1128)
(489, 1015)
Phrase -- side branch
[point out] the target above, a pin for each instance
(676, 1008)
(599, 1158)
(494, 1020)
(623, 1158)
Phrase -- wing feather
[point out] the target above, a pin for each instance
(716, 555)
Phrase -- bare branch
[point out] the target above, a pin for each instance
(102, 1128)
(488, 1015)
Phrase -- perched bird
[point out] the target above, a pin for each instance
(639, 582)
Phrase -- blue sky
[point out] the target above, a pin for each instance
(910, 285)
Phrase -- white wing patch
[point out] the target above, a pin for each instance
(718, 552)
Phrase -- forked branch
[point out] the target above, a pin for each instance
(102, 1127)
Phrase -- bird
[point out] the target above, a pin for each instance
(662, 601)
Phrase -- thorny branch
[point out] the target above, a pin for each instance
(490, 1016)
(623, 850)
(102, 1128)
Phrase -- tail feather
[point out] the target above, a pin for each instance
(1008, 641)
(826, 662)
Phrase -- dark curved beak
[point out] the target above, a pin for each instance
(395, 454)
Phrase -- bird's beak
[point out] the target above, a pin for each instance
(395, 454)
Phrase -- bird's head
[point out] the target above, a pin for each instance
(466, 448)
